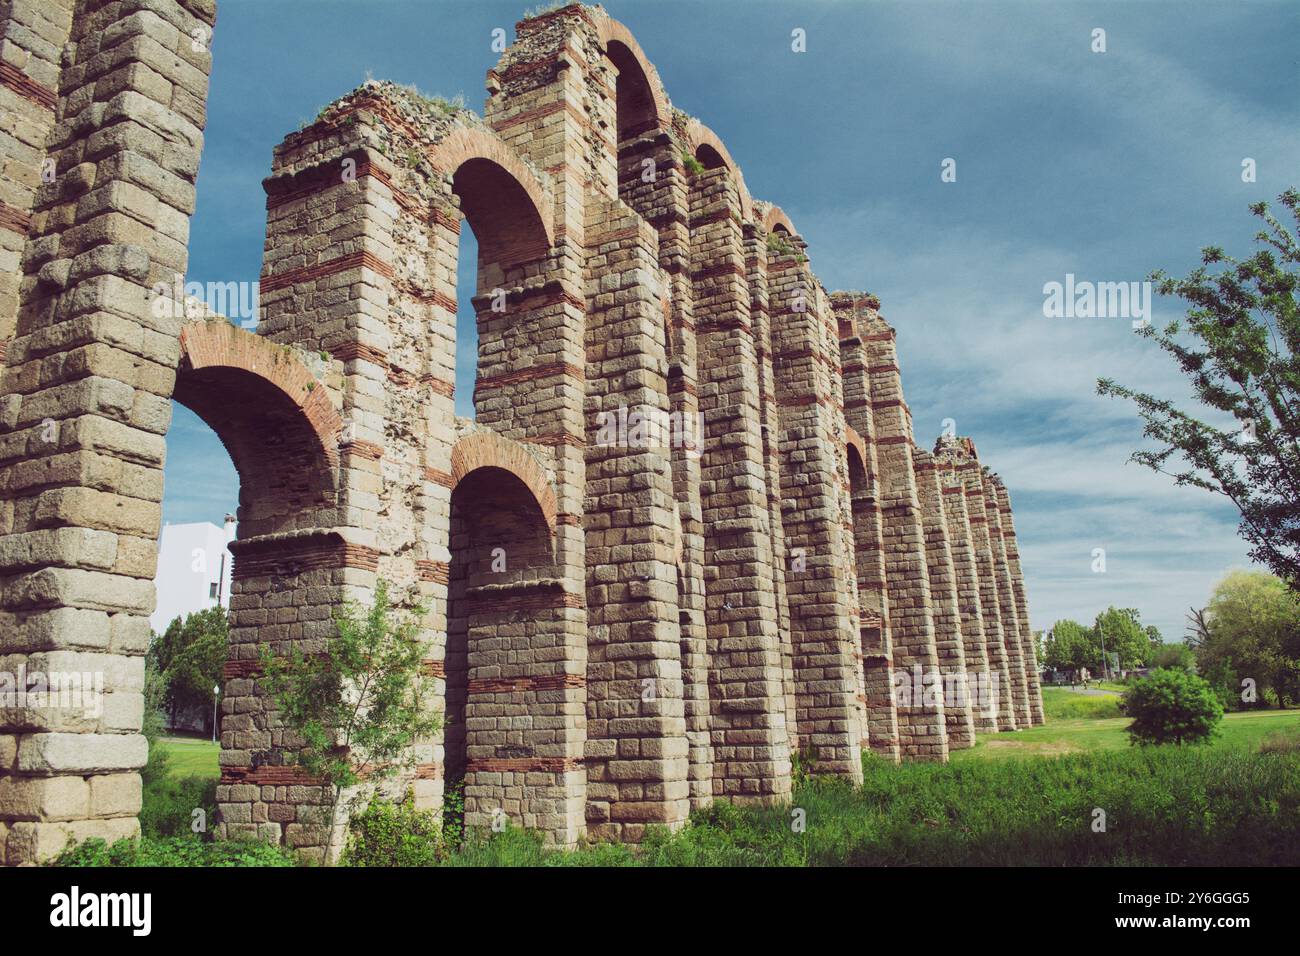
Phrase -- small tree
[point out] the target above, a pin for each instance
(187, 659)
(361, 705)
(1120, 631)
(1240, 349)
(1171, 706)
(1253, 631)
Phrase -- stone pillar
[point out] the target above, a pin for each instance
(541, 105)
(822, 597)
(662, 200)
(637, 753)
(921, 720)
(32, 35)
(751, 749)
(1006, 604)
(968, 472)
(85, 405)
(943, 595)
(868, 525)
(756, 265)
(1028, 652)
(968, 594)
(845, 528)
(343, 232)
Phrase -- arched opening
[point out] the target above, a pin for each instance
(501, 230)
(504, 218)
(501, 724)
(640, 112)
(192, 584)
(502, 240)
(861, 500)
(709, 157)
(251, 457)
(637, 111)
(282, 434)
(512, 653)
(868, 557)
(285, 475)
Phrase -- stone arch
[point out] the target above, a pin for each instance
(283, 434)
(507, 664)
(487, 449)
(508, 207)
(698, 136)
(511, 211)
(775, 218)
(627, 56)
(709, 157)
(855, 444)
(274, 418)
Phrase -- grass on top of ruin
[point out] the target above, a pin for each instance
(1232, 802)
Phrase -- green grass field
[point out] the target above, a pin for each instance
(1078, 723)
(1228, 802)
(190, 756)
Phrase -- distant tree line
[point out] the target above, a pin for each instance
(1071, 646)
(1245, 642)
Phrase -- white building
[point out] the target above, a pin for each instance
(193, 570)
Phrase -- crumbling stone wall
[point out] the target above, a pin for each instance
(687, 537)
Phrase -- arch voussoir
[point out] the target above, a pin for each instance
(487, 449)
(468, 143)
(216, 344)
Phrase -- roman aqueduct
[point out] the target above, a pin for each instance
(677, 615)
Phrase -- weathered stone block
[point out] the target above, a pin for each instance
(81, 753)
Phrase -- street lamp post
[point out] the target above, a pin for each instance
(216, 690)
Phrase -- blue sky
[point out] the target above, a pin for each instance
(1104, 165)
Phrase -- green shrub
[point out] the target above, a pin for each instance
(779, 244)
(1174, 657)
(169, 804)
(1172, 706)
(155, 768)
(692, 165)
(453, 812)
(174, 852)
(394, 834)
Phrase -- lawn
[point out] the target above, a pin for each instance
(1067, 705)
(1070, 730)
(191, 756)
